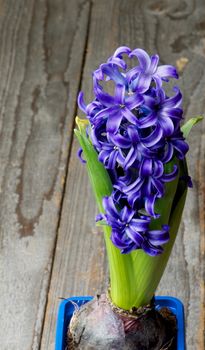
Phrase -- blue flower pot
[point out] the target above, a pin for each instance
(66, 310)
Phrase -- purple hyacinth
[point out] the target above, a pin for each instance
(149, 184)
(136, 132)
(131, 231)
(141, 76)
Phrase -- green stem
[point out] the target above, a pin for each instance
(121, 274)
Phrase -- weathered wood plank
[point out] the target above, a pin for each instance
(40, 68)
(176, 31)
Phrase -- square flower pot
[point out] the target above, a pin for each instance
(66, 310)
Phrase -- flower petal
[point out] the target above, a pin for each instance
(112, 160)
(133, 73)
(167, 125)
(133, 197)
(99, 217)
(134, 100)
(105, 113)
(181, 148)
(127, 214)
(158, 186)
(158, 237)
(93, 108)
(153, 138)
(140, 225)
(145, 168)
(98, 74)
(174, 113)
(171, 176)
(167, 71)
(168, 154)
(133, 134)
(130, 247)
(81, 103)
(114, 121)
(80, 152)
(153, 64)
(136, 185)
(149, 101)
(117, 241)
(129, 116)
(143, 58)
(174, 101)
(119, 62)
(104, 97)
(135, 236)
(130, 158)
(110, 208)
(158, 169)
(150, 249)
(103, 156)
(157, 80)
(149, 120)
(149, 205)
(113, 73)
(142, 83)
(120, 94)
(119, 140)
(122, 50)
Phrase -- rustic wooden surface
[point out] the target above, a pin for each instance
(41, 63)
(49, 246)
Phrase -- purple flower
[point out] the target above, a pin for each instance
(136, 132)
(164, 111)
(149, 185)
(131, 231)
(141, 76)
(116, 108)
(110, 155)
(111, 68)
(80, 152)
(91, 109)
(175, 144)
(137, 147)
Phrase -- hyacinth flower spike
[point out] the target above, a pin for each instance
(135, 148)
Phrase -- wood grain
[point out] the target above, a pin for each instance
(176, 30)
(44, 46)
(40, 62)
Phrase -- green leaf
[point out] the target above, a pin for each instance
(182, 184)
(82, 124)
(98, 175)
(186, 128)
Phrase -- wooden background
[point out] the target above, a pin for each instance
(49, 246)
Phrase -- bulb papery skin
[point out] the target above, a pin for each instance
(134, 150)
(96, 325)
